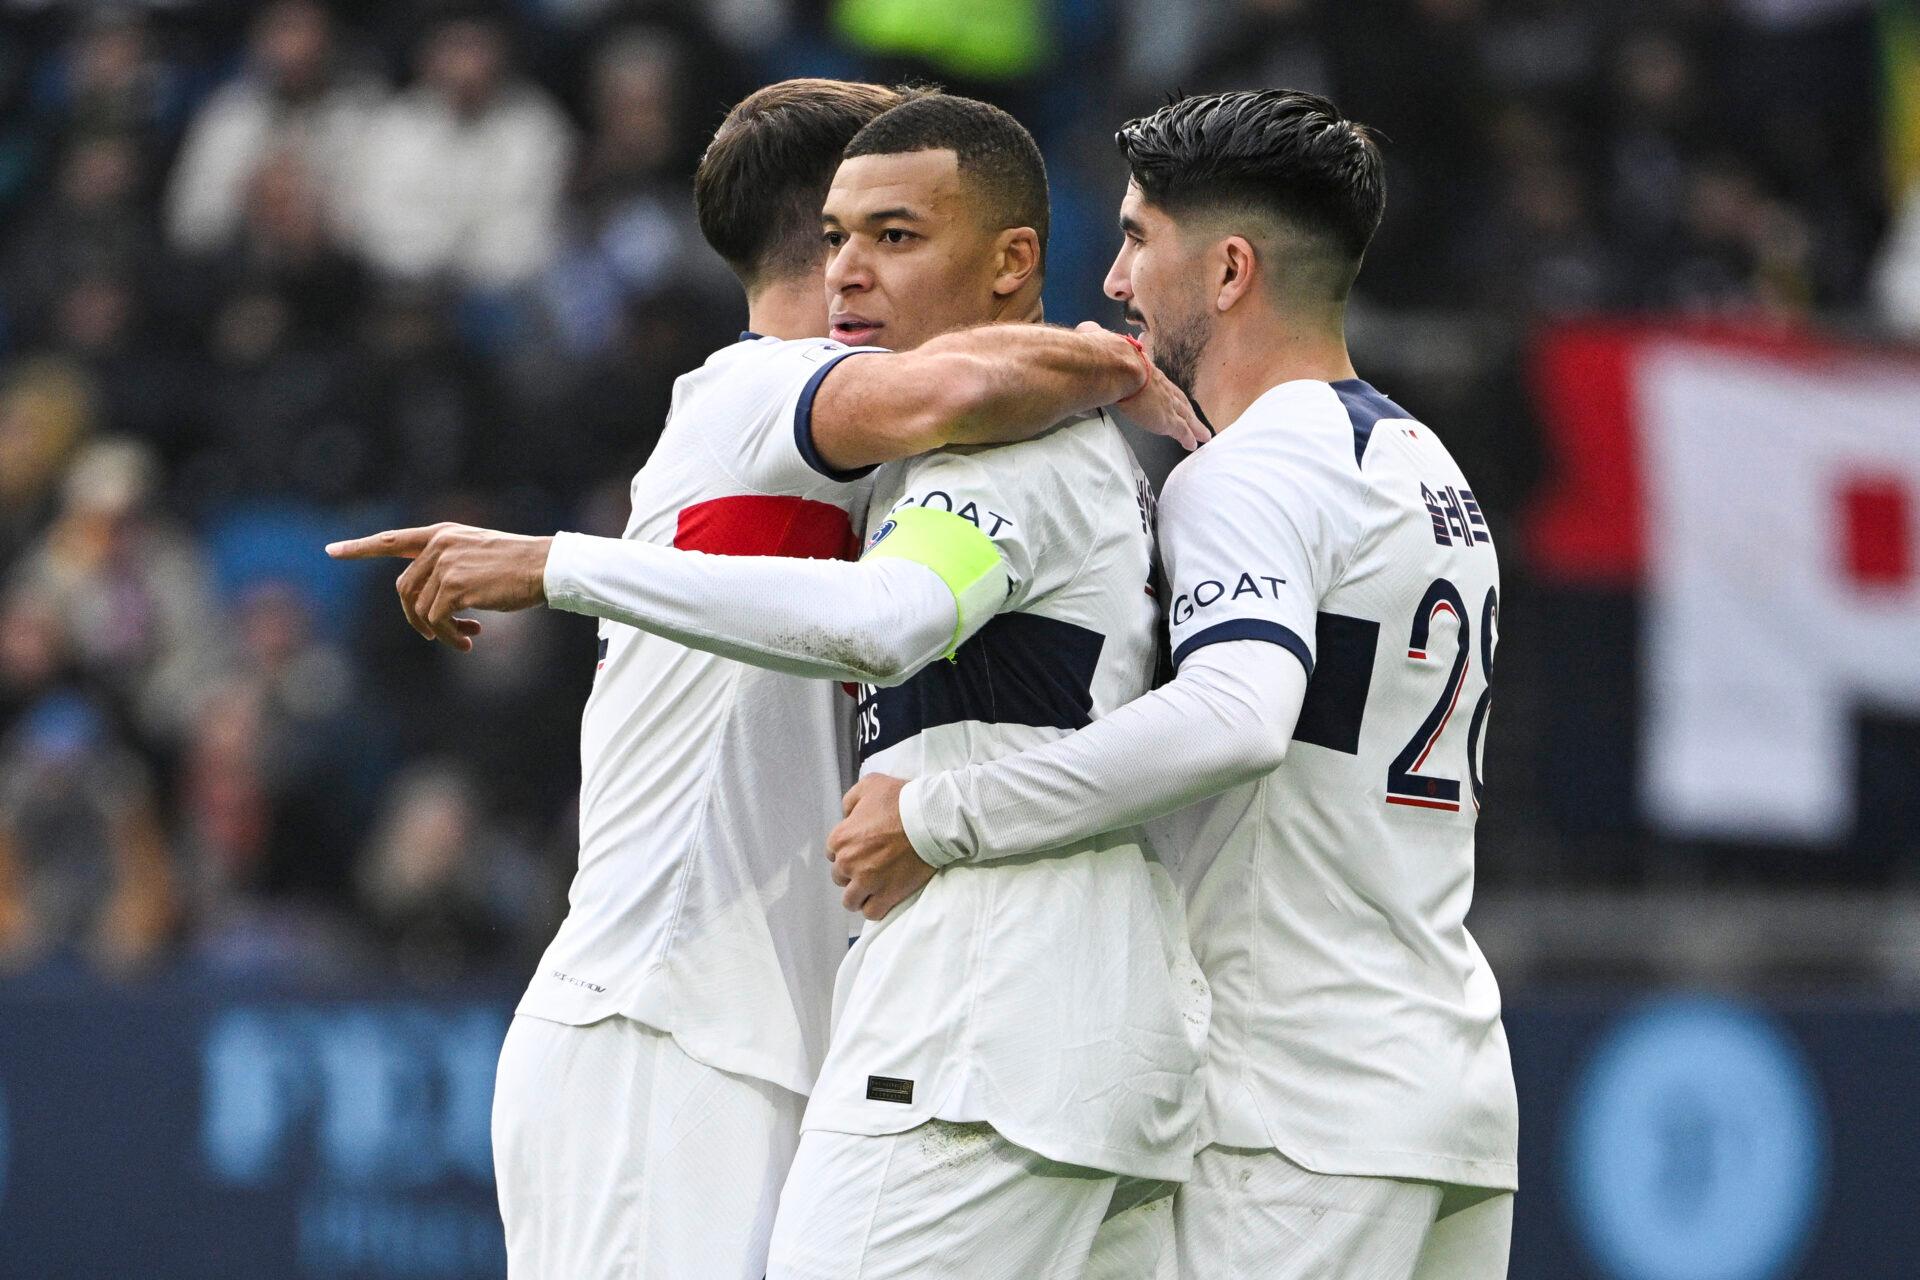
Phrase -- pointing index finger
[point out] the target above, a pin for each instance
(405, 543)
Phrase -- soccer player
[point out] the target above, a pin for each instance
(1016, 1036)
(652, 1083)
(1334, 612)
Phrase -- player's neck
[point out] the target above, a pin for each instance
(1023, 307)
(1246, 360)
(789, 309)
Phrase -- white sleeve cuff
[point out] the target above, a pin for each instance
(567, 556)
(936, 791)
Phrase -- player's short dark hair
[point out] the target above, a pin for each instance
(997, 155)
(1287, 153)
(761, 183)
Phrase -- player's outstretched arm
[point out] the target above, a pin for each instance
(1227, 719)
(992, 384)
(915, 596)
(918, 592)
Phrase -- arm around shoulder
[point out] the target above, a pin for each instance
(993, 384)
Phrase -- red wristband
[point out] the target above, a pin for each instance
(1144, 361)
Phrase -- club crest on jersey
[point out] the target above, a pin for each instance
(1260, 586)
(881, 533)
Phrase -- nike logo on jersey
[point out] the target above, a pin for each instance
(1261, 586)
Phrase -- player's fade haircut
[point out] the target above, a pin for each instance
(997, 156)
(761, 183)
(1288, 154)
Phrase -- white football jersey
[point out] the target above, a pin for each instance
(1356, 1026)
(702, 904)
(1053, 996)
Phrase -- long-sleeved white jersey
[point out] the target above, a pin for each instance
(1356, 1026)
(1052, 995)
(702, 906)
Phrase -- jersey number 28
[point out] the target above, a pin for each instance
(1406, 785)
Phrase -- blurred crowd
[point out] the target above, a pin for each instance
(276, 273)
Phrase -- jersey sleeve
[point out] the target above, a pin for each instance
(770, 448)
(1226, 720)
(1250, 549)
(1008, 493)
(966, 560)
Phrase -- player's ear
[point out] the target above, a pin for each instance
(1235, 266)
(1018, 258)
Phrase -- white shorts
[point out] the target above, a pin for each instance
(1255, 1215)
(618, 1157)
(947, 1201)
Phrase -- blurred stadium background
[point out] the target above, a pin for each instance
(272, 870)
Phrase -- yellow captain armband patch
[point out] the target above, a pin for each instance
(953, 547)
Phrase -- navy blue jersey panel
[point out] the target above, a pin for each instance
(1365, 407)
(1336, 698)
(1020, 668)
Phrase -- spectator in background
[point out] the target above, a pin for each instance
(1540, 249)
(432, 402)
(275, 794)
(298, 96)
(115, 81)
(36, 656)
(281, 414)
(271, 763)
(1652, 133)
(80, 276)
(1723, 236)
(448, 891)
(129, 589)
(462, 174)
(84, 868)
(636, 297)
(633, 232)
(46, 409)
(92, 223)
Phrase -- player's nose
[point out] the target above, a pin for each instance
(847, 270)
(1119, 283)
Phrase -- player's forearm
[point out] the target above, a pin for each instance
(1020, 380)
(1227, 720)
(870, 622)
(993, 384)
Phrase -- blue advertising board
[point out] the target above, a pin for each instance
(196, 1131)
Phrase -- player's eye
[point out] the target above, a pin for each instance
(833, 239)
(896, 235)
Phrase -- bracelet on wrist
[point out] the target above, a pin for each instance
(1146, 364)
